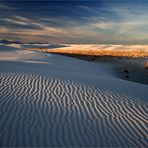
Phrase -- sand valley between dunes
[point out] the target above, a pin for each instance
(53, 100)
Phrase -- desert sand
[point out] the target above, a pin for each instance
(99, 50)
(53, 100)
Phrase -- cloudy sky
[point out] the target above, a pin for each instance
(101, 21)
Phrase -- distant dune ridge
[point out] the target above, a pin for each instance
(52, 100)
(101, 50)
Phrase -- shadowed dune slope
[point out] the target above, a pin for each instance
(46, 111)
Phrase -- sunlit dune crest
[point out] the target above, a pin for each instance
(101, 50)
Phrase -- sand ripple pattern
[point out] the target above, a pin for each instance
(38, 110)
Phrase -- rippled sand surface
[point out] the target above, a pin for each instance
(50, 104)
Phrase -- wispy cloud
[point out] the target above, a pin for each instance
(14, 21)
(3, 30)
(5, 7)
(105, 23)
(22, 22)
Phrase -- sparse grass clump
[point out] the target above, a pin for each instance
(146, 65)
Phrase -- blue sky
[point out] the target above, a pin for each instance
(102, 21)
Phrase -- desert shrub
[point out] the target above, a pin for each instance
(146, 65)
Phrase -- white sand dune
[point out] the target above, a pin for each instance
(69, 102)
(99, 50)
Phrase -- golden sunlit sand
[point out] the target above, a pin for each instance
(100, 50)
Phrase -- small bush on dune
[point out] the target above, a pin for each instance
(146, 65)
(126, 71)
